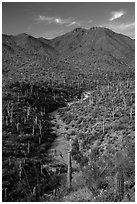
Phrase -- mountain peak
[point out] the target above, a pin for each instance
(94, 47)
(22, 34)
(79, 29)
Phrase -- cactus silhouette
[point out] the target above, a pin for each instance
(119, 189)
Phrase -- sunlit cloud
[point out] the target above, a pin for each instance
(74, 23)
(68, 22)
(117, 14)
(56, 20)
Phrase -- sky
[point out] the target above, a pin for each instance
(52, 19)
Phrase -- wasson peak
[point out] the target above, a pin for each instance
(78, 52)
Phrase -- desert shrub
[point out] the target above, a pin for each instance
(124, 119)
(79, 120)
(119, 126)
(94, 179)
(69, 118)
(80, 195)
(78, 181)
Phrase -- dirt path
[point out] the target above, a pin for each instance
(60, 146)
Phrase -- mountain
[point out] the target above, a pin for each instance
(77, 54)
(21, 61)
(44, 40)
(33, 44)
(96, 39)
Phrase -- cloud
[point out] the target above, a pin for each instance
(50, 20)
(90, 21)
(56, 20)
(87, 24)
(124, 28)
(74, 23)
(121, 26)
(117, 14)
(51, 34)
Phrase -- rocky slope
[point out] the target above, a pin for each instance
(96, 41)
(78, 53)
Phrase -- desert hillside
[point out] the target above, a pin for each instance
(69, 97)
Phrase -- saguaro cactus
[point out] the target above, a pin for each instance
(113, 113)
(131, 110)
(28, 148)
(31, 88)
(131, 99)
(41, 169)
(28, 112)
(119, 190)
(69, 166)
(25, 119)
(18, 98)
(9, 162)
(33, 130)
(34, 191)
(36, 120)
(127, 82)
(103, 125)
(7, 122)
(119, 177)
(5, 194)
(108, 86)
(91, 100)
(69, 170)
(17, 126)
(39, 140)
(11, 115)
(20, 170)
(40, 127)
(124, 101)
(8, 109)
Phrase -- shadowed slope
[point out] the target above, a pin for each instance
(77, 54)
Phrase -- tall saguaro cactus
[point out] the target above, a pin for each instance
(28, 147)
(119, 190)
(103, 126)
(69, 166)
(124, 101)
(5, 194)
(20, 170)
(119, 177)
(40, 127)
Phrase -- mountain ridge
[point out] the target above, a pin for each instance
(81, 51)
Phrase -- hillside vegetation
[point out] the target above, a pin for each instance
(71, 57)
(41, 76)
(103, 137)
